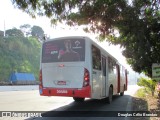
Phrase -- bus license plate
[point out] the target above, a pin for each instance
(62, 91)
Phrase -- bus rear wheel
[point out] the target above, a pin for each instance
(122, 93)
(77, 99)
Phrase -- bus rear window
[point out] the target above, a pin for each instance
(68, 50)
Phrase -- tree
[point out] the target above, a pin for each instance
(139, 34)
(14, 32)
(1, 33)
(138, 23)
(19, 54)
(26, 29)
(148, 84)
(38, 32)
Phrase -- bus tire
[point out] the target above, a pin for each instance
(110, 95)
(77, 99)
(122, 93)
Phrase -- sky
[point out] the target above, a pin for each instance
(13, 17)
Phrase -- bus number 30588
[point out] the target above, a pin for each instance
(62, 91)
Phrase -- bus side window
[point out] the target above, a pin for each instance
(111, 65)
(96, 58)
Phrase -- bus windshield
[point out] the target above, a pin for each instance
(65, 50)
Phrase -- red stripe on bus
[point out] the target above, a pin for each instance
(84, 92)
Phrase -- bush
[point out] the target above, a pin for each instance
(141, 93)
(149, 84)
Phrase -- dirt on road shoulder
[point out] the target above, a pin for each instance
(144, 101)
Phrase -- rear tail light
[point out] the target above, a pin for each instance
(40, 77)
(86, 78)
(40, 82)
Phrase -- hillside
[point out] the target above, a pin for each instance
(19, 54)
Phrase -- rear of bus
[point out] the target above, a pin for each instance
(63, 71)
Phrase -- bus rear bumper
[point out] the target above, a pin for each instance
(84, 92)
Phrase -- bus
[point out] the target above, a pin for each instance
(76, 66)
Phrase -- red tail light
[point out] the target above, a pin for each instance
(40, 77)
(86, 78)
(40, 83)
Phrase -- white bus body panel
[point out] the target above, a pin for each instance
(112, 80)
(68, 76)
(96, 84)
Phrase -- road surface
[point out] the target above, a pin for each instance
(32, 101)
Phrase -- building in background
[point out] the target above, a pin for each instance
(22, 79)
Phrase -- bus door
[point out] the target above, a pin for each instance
(118, 78)
(103, 76)
(96, 72)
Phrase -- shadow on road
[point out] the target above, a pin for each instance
(99, 110)
(92, 105)
(90, 108)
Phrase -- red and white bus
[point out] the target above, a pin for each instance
(78, 67)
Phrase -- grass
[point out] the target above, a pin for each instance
(144, 101)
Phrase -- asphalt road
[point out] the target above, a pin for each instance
(50, 106)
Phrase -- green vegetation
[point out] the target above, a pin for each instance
(18, 54)
(37, 32)
(142, 93)
(149, 85)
